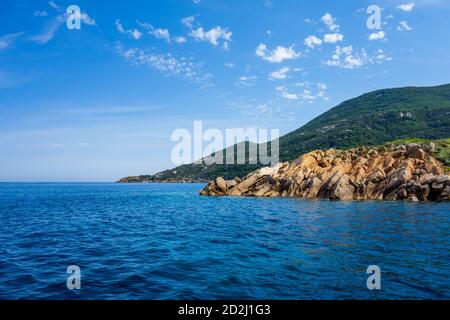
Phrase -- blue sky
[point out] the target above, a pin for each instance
(101, 102)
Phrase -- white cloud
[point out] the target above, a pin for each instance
(247, 81)
(310, 92)
(188, 21)
(377, 35)
(229, 65)
(333, 38)
(279, 54)
(161, 33)
(264, 109)
(53, 5)
(312, 42)
(406, 6)
(380, 57)
(7, 40)
(305, 84)
(119, 26)
(404, 26)
(226, 46)
(196, 1)
(180, 39)
(279, 74)
(330, 22)
(346, 58)
(134, 33)
(166, 64)
(289, 96)
(87, 19)
(49, 31)
(321, 86)
(212, 36)
(282, 90)
(308, 96)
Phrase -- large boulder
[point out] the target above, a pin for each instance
(415, 152)
(221, 184)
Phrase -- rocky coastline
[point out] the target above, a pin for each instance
(395, 172)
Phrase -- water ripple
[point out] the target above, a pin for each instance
(165, 242)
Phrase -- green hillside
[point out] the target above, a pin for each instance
(371, 119)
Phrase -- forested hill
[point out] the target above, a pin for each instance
(371, 119)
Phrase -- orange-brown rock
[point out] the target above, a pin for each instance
(397, 173)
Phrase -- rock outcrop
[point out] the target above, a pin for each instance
(405, 172)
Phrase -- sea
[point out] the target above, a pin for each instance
(85, 241)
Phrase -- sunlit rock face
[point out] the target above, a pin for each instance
(405, 172)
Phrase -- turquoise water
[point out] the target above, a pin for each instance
(163, 241)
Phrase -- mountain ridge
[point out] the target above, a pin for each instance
(373, 118)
